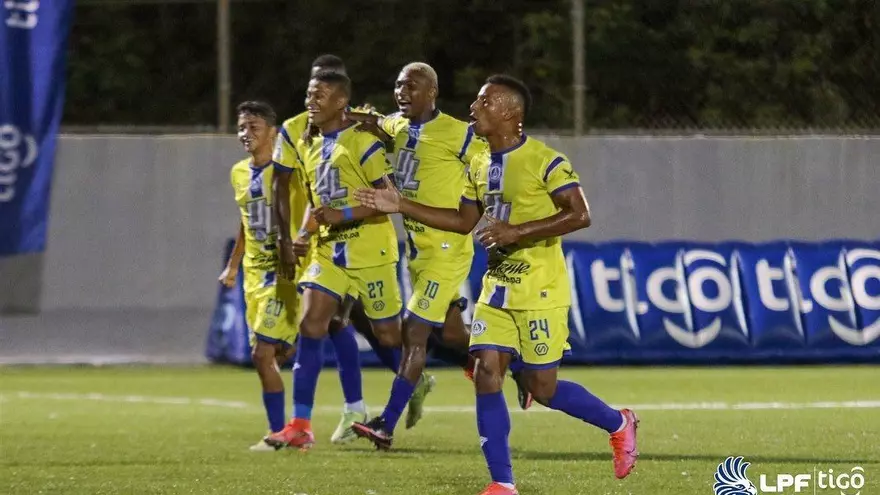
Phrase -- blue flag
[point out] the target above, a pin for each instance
(33, 45)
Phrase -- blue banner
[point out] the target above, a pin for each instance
(681, 302)
(33, 45)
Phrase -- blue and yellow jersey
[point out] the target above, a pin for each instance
(431, 165)
(516, 186)
(253, 193)
(335, 165)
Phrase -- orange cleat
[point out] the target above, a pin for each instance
(497, 489)
(297, 435)
(623, 443)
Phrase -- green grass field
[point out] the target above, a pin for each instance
(186, 430)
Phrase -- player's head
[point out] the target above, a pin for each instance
(327, 97)
(256, 126)
(328, 63)
(415, 90)
(501, 105)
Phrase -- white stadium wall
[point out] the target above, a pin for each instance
(138, 223)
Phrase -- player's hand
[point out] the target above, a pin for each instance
(369, 122)
(301, 247)
(328, 216)
(385, 200)
(227, 276)
(497, 233)
(288, 259)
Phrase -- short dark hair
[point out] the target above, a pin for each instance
(329, 61)
(259, 109)
(335, 78)
(516, 86)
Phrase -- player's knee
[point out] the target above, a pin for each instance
(388, 333)
(263, 355)
(488, 377)
(312, 327)
(541, 384)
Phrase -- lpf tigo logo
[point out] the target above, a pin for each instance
(17, 151)
(731, 478)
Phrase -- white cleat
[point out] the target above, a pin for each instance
(344, 433)
(262, 446)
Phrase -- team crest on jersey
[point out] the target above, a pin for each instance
(478, 327)
(314, 270)
(378, 306)
(424, 303)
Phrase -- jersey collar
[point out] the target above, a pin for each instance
(516, 146)
(337, 132)
(434, 115)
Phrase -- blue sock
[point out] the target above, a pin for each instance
(401, 391)
(309, 357)
(516, 366)
(274, 404)
(493, 424)
(348, 362)
(574, 400)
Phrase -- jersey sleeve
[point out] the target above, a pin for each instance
(394, 123)
(469, 195)
(559, 175)
(285, 156)
(374, 162)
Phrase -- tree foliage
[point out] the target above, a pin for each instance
(650, 63)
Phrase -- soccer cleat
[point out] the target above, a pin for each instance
(344, 433)
(263, 446)
(623, 443)
(498, 489)
(469, 369)
(294, 435)
(416, 403)
(374, 431)
(524, 397)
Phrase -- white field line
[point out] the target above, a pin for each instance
(227, 404)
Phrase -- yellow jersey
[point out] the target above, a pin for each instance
(334, 166)
(431, 166)
(516, 185)
(253, 193)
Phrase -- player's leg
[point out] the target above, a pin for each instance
(273, 330)
(388, 356)
(494, 340)
(348, 364)
(323, 286)
(543, 337)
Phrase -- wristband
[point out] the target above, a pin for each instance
(303, 233)
(347, 214)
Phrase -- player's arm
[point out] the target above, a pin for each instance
(563, 186)
(371, 122)
(285, 155)
(389, 200)
(228, 275)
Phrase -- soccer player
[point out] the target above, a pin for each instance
(531, 196)
(289, 146)
(271, 300)
(356, 251)
(432, 150)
